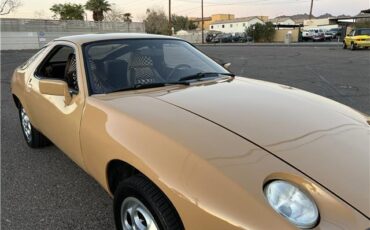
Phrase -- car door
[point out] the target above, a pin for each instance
(56, 118)
(349, 38)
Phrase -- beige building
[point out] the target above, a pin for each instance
(210, 20)
(322, 23)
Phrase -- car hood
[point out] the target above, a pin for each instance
(325, 140)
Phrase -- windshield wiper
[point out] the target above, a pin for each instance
(201, 75)
(182, 81)
(150, 85)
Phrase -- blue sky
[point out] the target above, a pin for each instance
(241, 8)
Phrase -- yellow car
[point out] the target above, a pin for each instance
(179, 142)
(357, 38)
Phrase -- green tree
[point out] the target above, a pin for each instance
(156, 22)
(68, 11)
(114, 15)
(261, 32)
(98, 7)
(182, 23)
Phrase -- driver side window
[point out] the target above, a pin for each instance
(60, 64)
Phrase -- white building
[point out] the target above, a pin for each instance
(282, 21)
(322, 23)
(233, 26)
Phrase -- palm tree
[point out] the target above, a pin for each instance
(98, 7)
(127, 17)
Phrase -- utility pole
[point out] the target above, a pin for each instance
(311, 10)
(169, 18)
(202, 24)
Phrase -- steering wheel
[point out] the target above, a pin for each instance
(178, 67)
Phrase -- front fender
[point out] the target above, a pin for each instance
(184, 155)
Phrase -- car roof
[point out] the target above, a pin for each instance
(86, 38)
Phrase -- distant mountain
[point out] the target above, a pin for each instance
(301, 17)
(325, 16)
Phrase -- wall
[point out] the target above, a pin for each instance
(280, 35)
(34, 33)
(35, 25)
(193, 37)
(30, 40)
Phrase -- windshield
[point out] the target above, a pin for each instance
(124, 64)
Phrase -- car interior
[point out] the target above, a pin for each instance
(60, 64)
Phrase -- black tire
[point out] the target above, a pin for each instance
(344, 46)
(159, 206)
(34, 138)
(353, 46)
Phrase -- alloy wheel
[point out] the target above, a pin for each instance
(135, 216)
(26, 125)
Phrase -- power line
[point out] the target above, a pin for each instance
(202, 24)
(169, 18)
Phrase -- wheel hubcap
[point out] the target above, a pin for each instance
(26, 124)
(135, 216)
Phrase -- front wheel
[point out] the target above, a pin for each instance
(33, 137)
(139, 204)
(353, 46)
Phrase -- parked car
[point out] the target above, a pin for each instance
(313, 34)
(328, 36)
(223, 38)
(357, 38)
(336, 32)
(179, 142)
(318, 37)
(242, 37)
(307, 35)
(211, 35)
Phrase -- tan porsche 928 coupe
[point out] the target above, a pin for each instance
(181, 143)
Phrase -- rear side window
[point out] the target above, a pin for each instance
(55, 63)
(62, 54)
(32, 59)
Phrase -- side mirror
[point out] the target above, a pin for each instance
(227, 65)
(56, 88)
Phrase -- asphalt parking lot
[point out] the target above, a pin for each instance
(43, 189)
(341, 75)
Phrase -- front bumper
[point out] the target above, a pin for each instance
(365, 43)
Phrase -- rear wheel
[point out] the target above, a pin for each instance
(139, 204)
(344, 46)
(34, 138)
